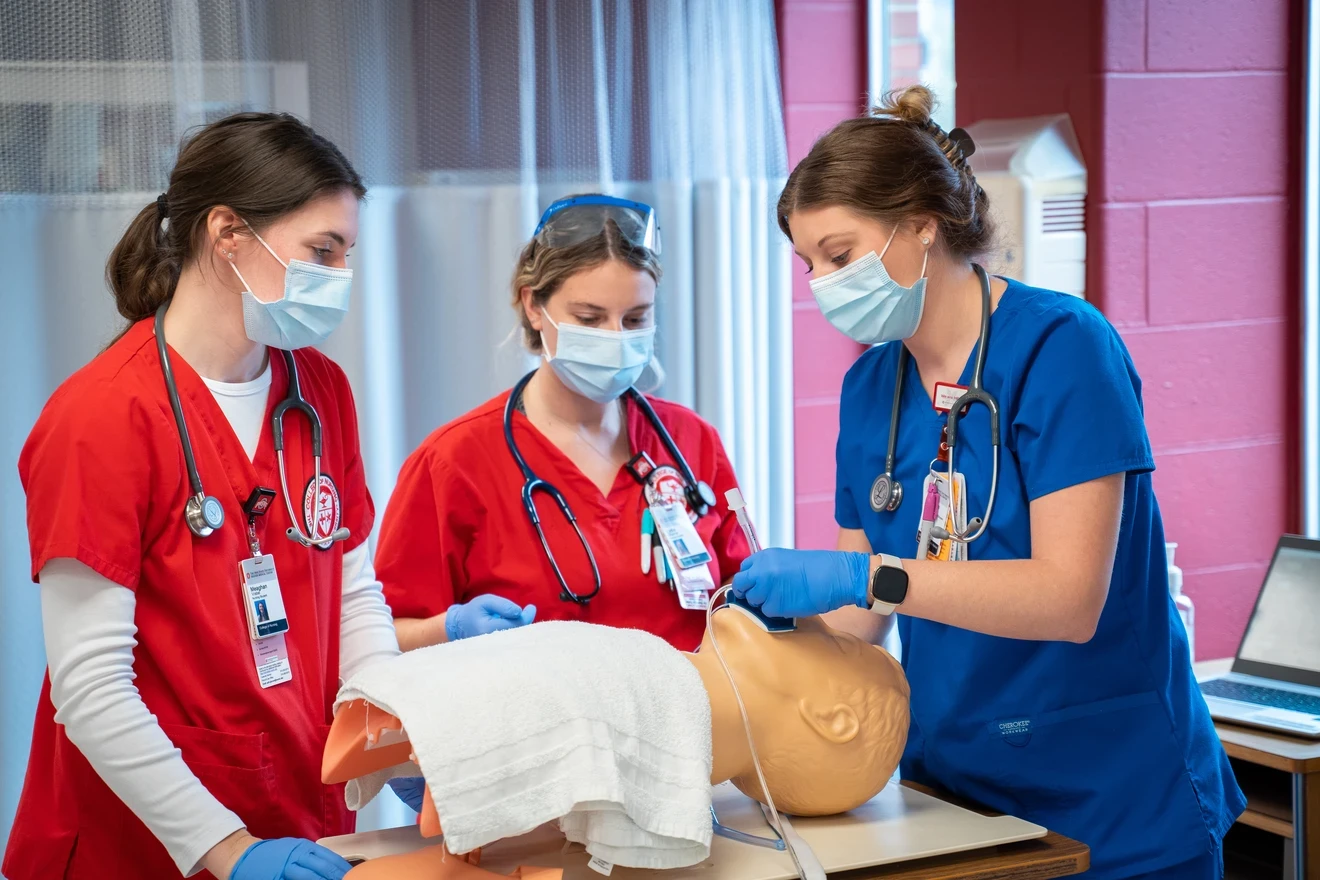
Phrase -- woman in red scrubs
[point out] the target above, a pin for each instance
(459, 554)
(197, 617)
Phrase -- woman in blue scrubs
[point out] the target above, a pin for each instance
(1049, 670)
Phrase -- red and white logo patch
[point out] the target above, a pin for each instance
(664, 485)
(321, 510)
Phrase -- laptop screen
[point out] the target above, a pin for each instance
(1282, 630)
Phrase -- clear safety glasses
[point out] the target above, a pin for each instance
(580, 218)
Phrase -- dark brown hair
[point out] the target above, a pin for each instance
(259, 165)
(894, 165)
(545, 269)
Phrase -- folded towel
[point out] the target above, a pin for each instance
(606, 730)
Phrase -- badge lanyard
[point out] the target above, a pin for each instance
(943, 493)
(263, 603)
(670, 543)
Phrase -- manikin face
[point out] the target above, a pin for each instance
(829, 712)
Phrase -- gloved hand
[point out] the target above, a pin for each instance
(487, 613)
(289, 858)
(800, 583)
(411, 790)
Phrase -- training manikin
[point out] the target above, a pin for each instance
(828, 714)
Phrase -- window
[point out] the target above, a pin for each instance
(910, 42)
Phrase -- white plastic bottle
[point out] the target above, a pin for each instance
(1184, 604)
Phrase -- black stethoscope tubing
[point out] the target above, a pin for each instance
(700, 497)
(886, 491)
(204, 513)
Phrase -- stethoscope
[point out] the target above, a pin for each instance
(204, 513)
(700, 497)
(887, 492)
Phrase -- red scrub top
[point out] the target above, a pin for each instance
(105, 480)
(456, 528)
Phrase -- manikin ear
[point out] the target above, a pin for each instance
(838, 723)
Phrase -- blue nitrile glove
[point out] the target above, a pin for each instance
(411, 790)
(289, 858)
(487, 613)
(800, 583)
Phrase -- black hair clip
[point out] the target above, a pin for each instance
(964, 141)
(162, 206)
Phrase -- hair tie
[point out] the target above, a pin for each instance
(162, 206)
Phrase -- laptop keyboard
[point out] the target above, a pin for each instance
(1262, 696)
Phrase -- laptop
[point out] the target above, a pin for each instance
(1275, 682)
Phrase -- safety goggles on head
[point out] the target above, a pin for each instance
(580, 218)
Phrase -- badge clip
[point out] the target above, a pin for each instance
(258, 502)
(640, 467)
(256, 505)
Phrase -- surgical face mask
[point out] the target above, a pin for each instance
(314, 303)
(599, 364)
(862, 301)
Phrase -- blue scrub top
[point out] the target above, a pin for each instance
(1107, 742)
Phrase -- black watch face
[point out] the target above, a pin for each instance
(889, 585)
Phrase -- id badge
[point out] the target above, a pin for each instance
(694, 586)
(271, 657)
(679, 536)
(262, 600)
(945, 505)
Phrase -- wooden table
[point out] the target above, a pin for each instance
(1294, 813)
(1051, 856)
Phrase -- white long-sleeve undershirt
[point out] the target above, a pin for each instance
(90, 635)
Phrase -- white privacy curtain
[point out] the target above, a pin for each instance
(466, 118)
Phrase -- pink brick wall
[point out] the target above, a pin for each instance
(823, 63)
(1182, 108)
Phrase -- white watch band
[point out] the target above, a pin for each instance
(877, 606)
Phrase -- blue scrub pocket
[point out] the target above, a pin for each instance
(1109, 773)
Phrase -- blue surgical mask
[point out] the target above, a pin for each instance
(862, 301)
(599, 364)
(314, 303)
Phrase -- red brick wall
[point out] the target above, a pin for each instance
(1183, 110)
(823, 64)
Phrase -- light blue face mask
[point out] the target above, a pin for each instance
(314, 303)
(862, 301)
(599, 364)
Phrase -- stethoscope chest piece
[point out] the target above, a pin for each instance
(700, 498)
(205, 514)
(886, 494)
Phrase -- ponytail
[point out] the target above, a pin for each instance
(143, 268)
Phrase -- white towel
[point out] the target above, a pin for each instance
(606, 730)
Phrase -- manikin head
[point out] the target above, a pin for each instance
(829, 717)
(829, 712)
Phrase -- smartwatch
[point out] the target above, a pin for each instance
(889, 585)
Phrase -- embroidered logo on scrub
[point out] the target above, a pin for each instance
(1015, 733)
(321, 509)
